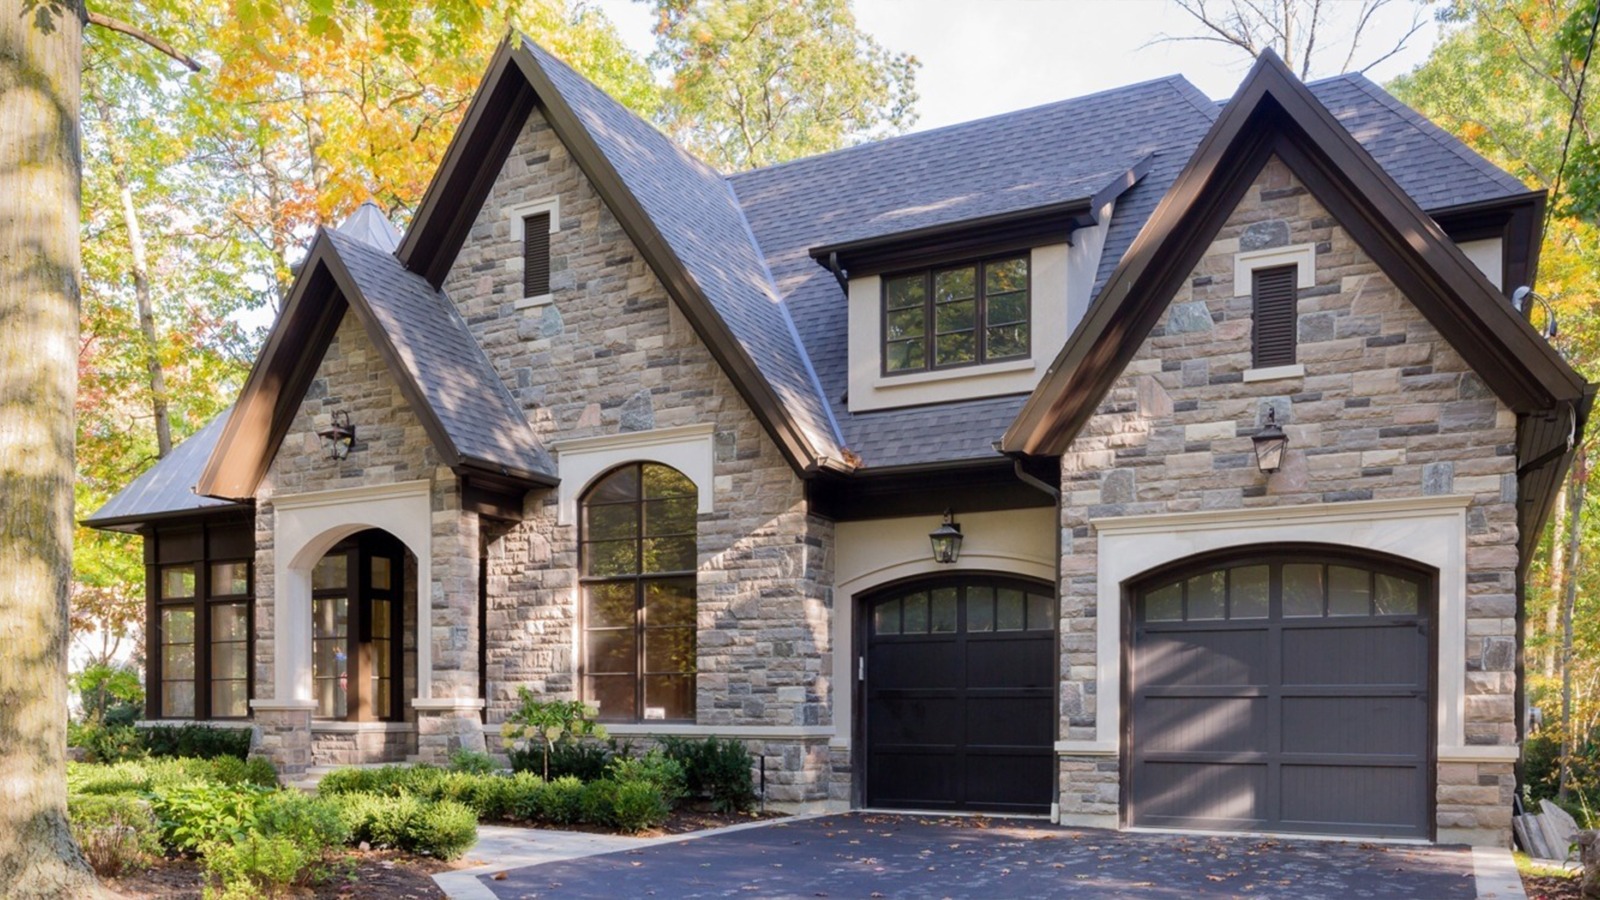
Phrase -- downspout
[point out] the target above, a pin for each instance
(1027, 478)
(838, 273)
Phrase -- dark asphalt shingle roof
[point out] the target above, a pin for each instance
(443, 360)
(698, 216)
(168, 486)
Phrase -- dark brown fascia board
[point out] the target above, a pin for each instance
(1525, 371)
(285, 366)
(1549, 479)
(471, 163)
(1004, 231)
(1516, 220)
(134, 523)
(964, 486)
(724, 347)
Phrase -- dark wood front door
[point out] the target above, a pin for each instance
(1287, 692)
(959, 694)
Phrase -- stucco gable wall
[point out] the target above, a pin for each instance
(610, 355)
(1386, 409)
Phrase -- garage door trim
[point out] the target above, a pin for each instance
(1428, 612)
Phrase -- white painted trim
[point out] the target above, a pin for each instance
(685, 729)
(447, 704)
(521, 211)
(306, 526)
(1428, 530)
(330, 726)
(1087, 748)
(688, 448)
(1476, 753)
(1302, 256)
(890, 382)
(1273, 373)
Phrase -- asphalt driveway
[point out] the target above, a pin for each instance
(871, 855)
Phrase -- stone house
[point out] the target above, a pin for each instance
(1236, 408)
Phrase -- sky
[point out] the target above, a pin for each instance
(982, 57)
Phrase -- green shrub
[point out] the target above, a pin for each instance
(522, 796)
(311, 822)
(597, 803)
(444, 830)
(119, 778)
(197, 741)
(537, 728)
(199, 813)
(358, 813)
(656, 769)
(559, 801)
(386, 780)
(118, 833)
(105, 743)
(111, 694)
(638, 805)
(471, 761)
(716, 770)
(258, 865)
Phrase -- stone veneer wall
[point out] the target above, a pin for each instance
(392, 447)
(1386, 408)
(612, 354)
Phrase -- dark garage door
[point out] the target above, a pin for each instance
(960, 696)
(1284, 693)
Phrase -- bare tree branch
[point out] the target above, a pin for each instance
(145, 37)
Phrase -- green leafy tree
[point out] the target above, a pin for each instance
(756, 82)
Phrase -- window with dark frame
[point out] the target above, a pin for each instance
(952, 316)
(199, 631)
(536, 255)
(228, 610)
(178, 586)
(1274, 302)
(356, 621)
(638, 557)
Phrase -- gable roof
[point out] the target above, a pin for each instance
(166, 489)
(1274, 114)
(679, 212)
(471, 418)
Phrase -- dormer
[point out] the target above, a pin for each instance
(967, 309)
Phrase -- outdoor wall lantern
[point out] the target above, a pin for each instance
(1270, 441)
(946, 540)
(340, 435)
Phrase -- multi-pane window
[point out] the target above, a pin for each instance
(356, 610)
(956, 315)
(228, 607)
(1303, 589)
(177, 584)
(639, 557)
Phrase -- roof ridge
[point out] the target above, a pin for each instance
(913, 135)
(1428, 127)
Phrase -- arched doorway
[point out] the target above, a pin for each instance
(363, 598)
(1282, 689)
(958, 681)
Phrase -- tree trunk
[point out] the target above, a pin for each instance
(40, 56)
(139, 270)
(1580, 481)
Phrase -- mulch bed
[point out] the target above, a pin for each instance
(683, 821)
(374, 873)
(1551, 887)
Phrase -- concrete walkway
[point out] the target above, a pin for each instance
(866, 855)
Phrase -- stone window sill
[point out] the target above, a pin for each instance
(532, 302)
(1274, 373)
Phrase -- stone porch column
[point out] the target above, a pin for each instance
(449, 712)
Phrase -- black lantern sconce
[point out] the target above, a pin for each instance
(340, 435)
(1270, 442)
(946, 540)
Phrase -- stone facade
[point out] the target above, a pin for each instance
(1385, 409)
(611, 354)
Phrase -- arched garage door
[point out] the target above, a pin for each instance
(1283, 692)
(959, 694)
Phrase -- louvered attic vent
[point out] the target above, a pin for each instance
(536, 255)
(1273, 292)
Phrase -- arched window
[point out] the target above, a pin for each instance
(638, 557)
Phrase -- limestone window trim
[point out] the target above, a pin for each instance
(1302, 256)
(517, 216)
(688, 448)
(1275, 373)
(1428, 530)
